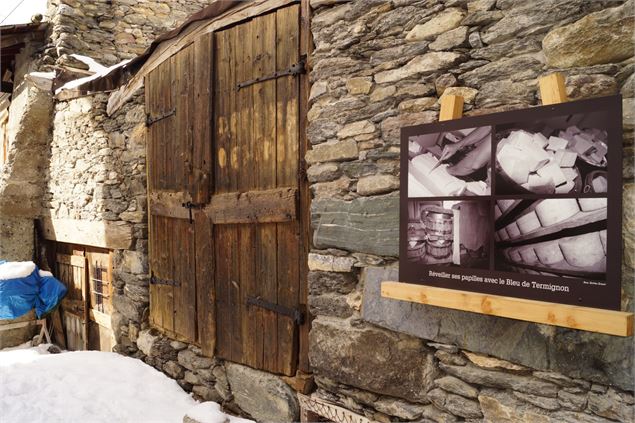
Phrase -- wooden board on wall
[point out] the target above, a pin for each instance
(104, 234)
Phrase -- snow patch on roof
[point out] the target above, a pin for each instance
(16, 269)
(77, 82)
(93, 65)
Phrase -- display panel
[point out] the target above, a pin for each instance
(525, 203)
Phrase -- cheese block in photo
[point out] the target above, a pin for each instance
(514, 163)
(569, 173)
(416, 188)
(505, 204)
(549, 252)
(512, 230)
(566, 158)
(553, 171)
(528, 223)
(528, 255)
(502, 234)
(552, 211)
(497, 212)
(540, 140)
(565, 188)
(514, 255)
(582, 250)
(557, 143)
(590, 204)
(582, 145)
(540, 184)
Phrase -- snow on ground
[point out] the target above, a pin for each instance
(91, 387)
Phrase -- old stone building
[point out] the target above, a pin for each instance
(77, 165)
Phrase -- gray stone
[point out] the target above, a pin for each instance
(173, 370)
(192, 378)
(513, 47)
(401, 409)
(377, 184)
(443, 82)
(482, 17)
(586, 86)
(474, 39)
(611, 27)
(612, 405)
(329, 263)
(206, 393)
(575, 402)
(450, 39)
(391, 127)
(264, 396)
(427, 63)
(550, 404)
(516, 68)
(455, 404)
(322, 172)
(526, 18)
(332, 152)
(356, 128)
(330, 305)
(468, 94)
(504, 380)
(417, 105)
(456, 386)
(368, 224)
(359, 85)
(432, 414)
(327, 282)
(349, 354)
(192, 361)
(444, 21)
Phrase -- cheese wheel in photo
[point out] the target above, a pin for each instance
(505, 204)
(555, 210)
(582, 250)
(497, 212)
(512, 230)
(528, 255)
(549, 252)
(590, 204)
(502, 234)
(528, 222)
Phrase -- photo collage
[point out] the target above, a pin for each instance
(524, 195)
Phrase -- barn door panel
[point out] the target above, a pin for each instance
(256, 240)
(71, 271)
(177, 102)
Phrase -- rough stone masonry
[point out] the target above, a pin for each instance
(382, 65)
(377, 66)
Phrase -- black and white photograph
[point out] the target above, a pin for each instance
(564, 237)
(450, 163)
(452, 233)
(561, 155)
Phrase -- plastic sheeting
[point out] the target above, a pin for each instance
(38, 290)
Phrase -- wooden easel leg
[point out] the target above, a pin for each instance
(552, 89)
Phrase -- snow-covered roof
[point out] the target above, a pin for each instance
(15, 12)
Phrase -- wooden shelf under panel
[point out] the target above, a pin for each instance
(610, 322)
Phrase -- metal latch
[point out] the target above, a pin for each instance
(189, 205)
(296, 315)
(150, 121)
(158, 281)
(294, 69)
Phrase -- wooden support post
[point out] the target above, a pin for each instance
(451, 107)
(552, 89)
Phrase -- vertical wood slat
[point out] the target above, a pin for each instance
(288, 286)
(223, 99)
(205, 291)
(306, 46)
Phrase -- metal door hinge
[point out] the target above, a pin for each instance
(294, 69)
(189, 205)
(152, 120)
(158, 281)
(294, 314)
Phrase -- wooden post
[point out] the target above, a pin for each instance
(451, 107)
(552, 89)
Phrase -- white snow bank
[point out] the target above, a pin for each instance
(210, 412)
(86, 386)
(93, 65)
(16, 269)
(77, 82)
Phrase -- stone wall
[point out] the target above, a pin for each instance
(382, 65)
(110, 31)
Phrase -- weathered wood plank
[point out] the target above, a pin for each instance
(104, 234)
(267, 206)
(184, 266)
(584, 318)
(240, 13)
(169, 204)
(205, 289)
(287, 120)
(203, 118)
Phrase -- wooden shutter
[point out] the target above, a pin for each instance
(256, 240)
(178, 107)
(71, 271)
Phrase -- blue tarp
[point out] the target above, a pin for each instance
(40, 291)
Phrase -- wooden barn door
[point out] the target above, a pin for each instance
(257, 239)
(177, 103)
